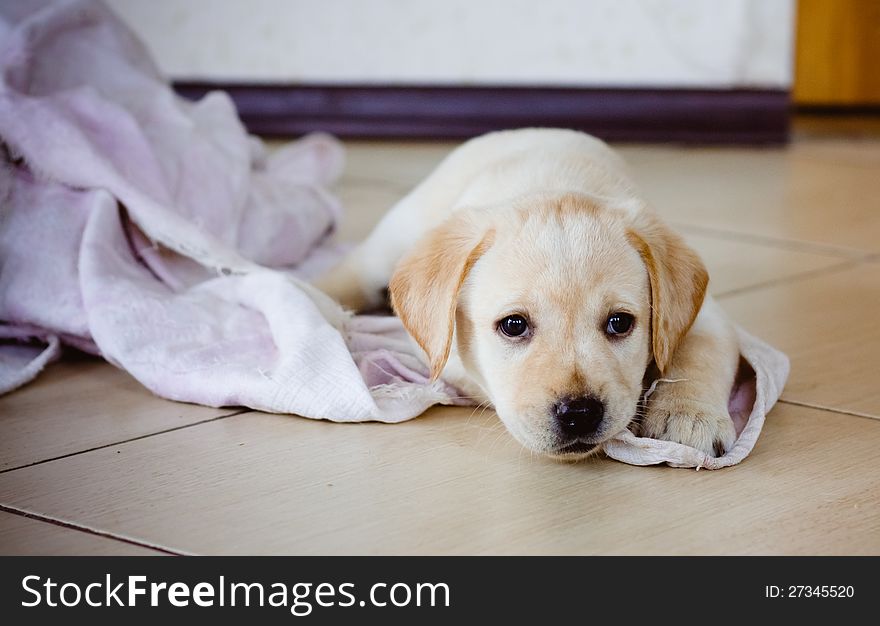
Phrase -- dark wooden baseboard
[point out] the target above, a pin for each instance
(437, 112)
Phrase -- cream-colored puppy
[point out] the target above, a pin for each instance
(534, 277)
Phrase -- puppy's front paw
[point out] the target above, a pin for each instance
(672, 416)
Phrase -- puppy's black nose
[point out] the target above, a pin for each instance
(579, 417)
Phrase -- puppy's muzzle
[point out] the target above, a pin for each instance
(578, 418)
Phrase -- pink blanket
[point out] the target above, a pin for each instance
(156, 233)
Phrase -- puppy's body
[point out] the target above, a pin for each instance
(543, 227)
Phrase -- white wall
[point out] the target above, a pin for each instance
(666, 43)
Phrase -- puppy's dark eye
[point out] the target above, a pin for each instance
(619, 324)
(513, 325)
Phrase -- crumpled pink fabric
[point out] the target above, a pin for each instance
(156, 233)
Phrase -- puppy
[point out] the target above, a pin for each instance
(534, 277)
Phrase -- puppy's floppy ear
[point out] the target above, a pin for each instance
(424, 288)
(678, 284)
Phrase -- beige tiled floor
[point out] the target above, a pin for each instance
(791, 239)
(24, 536)
(92, 405)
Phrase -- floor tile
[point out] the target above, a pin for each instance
(820, 192)
(22, 536)
(84, 403)
(736, 265)
(402, 163)
(454, 482)
(365, 202)
(828, 325)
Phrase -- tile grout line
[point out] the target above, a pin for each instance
(88, 530)
(124, 441)
(783, 280)
(822, 407)
(795, 245)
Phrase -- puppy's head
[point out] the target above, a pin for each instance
(557, 307)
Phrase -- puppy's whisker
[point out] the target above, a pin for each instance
(497, 439)
(480, 407)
